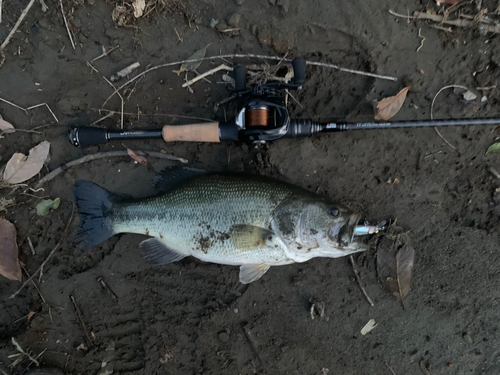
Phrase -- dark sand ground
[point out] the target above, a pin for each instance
(446, 197)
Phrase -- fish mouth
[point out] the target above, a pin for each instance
(346, 232)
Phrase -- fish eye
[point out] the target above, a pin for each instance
(333, 211)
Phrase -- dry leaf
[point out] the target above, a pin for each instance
(190, 66)
(140, 159)
(368, 327)
(139, 6)
(6, 127)
(4, 203)
(21, 168)
(395, 259)
(9, 262)
(30, 315)
(388, 107)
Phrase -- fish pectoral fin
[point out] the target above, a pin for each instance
(252, 272)
(249, 237)
(156, 252)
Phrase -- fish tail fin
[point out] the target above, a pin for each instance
(95, 207)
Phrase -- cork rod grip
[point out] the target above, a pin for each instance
(205, 132)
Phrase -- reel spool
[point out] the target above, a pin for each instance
(258, 117)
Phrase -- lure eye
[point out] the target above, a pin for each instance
(333, 212)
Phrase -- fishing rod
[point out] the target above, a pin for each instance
(261, 117)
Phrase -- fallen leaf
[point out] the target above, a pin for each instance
(43, 208)
(30, 315)
(190, 66)
(495, 147)
(21, 167)
(388, 107)
(138, 6)
(9, 262)
(6, 127)
(469, 95)
(368, 327)
(140, 159)
(395, 258)
(82, 347)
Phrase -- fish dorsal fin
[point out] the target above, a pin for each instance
(252, 272)
(249, 237)
(156, 252)
(168, 177)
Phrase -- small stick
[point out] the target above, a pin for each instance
(432, 109)
(121, 97)
(31, 246)
(390, 369)
(154, 114)
(45, 104)
(1, 11)
(460, 22)
(237, 55)
(296, 101)
(14, 105)
(101, 155)
(77, 310)
(400, 15)
(178, 36)
(422, 41)
(16, 26)
(48, 257)
(210, 72)
(124, 72)
(359, 282)
(494, 172)
(447, 29)
(66, 23)
(107, 287)
(34, 284)
(224, 101)
(104, 54)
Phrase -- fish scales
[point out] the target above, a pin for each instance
(234, 219)
(208, 208)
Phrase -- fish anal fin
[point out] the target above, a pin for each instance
(252, 272)
(156, 252)
(249, 237)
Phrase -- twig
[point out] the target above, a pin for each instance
(31, 246)
(422, 41)
(178, 36)
(494, 172)
(359, 282)
(105, 285)
(48, 257)
(400, 15)
(210, 72)
(14, 105)
(457, 22)
(124, 72)
(296, 101)
(66, 23)
(121, 97)
(432, 109)
(390, 369)
(447, 29)
(77, 310)
(444, 139)
(248, 56)
(45, 104)
(34, 284)
(101, 155)
(218, 104)
(0, 11)
(16, 26)
(153, 114)
(104, 54)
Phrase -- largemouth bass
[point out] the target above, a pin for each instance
(232, 219)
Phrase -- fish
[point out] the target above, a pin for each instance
(242, 220)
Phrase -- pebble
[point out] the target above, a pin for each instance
(234, 20)
(224, 337)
